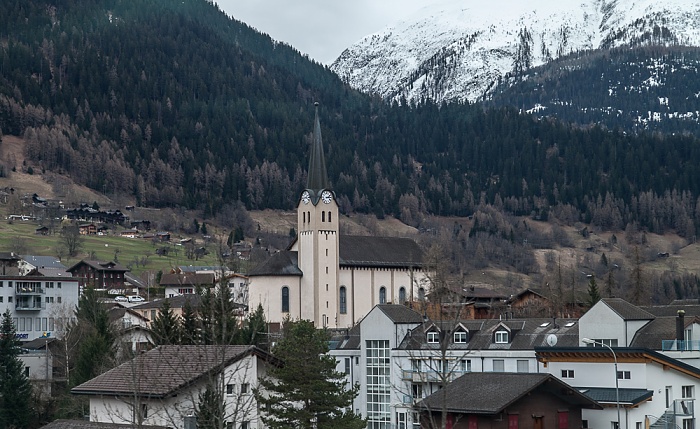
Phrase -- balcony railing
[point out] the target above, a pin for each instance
(29, 290)
(432, 376)
(679, 345)
(30, 306)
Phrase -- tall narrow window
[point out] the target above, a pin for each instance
(402, 295)
(421, 294)
(329, 216)
(343, 300)
(285, 299)
(382, 295)
(323, 216)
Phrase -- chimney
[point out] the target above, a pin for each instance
(680, 325)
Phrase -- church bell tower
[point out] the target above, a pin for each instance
(317, 226)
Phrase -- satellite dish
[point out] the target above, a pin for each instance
(552, 340)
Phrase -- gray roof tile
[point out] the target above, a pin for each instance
(626, 310)
(282, 263)
(497, 391)
(164, 370)
(379, 252)
(400, 313)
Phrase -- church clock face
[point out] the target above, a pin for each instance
(326, 197)
(305, 197)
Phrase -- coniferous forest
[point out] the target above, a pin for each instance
(175, 104)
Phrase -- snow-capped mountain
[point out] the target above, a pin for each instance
(459, 50)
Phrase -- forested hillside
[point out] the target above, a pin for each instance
(642, 89)
(177, 105)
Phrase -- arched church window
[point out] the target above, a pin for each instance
(285, 299)
(343, 300)
(382, 295)
(329, 216)
(323, 216)
(402, 295)
(421, 294)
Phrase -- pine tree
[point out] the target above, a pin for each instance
(306, 392)
(15, 390)
(96, 349)
(210, 408)
(166, 327)
(593, 293)
(190, 325)
(253, 333)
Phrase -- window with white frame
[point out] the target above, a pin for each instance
(433, 337)
(567, 373)
(501, 337)
(623, 375)
(245, 388)
(229, 389)
(687, 392)
(465, 365)
(460, 337)
(688, 424)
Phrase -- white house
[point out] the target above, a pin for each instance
(162, 386)
(327, 278)
(651, 389)
(398, 358)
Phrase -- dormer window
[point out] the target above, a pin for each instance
(460, 337)
(433, 337)
(501, 337)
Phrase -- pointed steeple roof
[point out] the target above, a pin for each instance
(318, 177)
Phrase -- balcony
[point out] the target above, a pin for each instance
(679, 345)
(29, 304)
(431, 376)
(25, 290)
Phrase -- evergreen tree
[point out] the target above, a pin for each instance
(210, 408)
(96, 349)
(593, 293)
(190, 325)
(306, 392)
(253, 333)
(15, 390)
(166, 327)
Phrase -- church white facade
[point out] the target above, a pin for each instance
(327, 278)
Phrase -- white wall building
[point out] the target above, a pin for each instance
(39, 305)
(327, 278)
(162, 387)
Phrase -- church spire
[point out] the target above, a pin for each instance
(318, 177)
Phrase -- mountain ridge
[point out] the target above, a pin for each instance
(452, 51)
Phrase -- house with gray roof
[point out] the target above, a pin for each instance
(162, 386)
(331, 279)
(506, 401)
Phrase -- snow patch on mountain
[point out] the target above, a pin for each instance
(457, 50)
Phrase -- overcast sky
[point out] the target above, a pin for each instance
(320, 28)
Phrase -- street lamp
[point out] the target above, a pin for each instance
(617, 389)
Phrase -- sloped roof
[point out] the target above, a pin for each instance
(99, 266)
(187, 279)
(282, 263)
(165, 370)
(364, 251)
(607, 395)
(400, 313)
(652, 335)
(84, 424)
(526, 334)
(690, 309)
(43, 261)
(491, 392)
(626, 310)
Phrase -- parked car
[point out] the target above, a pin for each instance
(136, 298)
(121, 298)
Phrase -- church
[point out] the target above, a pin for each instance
(331, 279)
